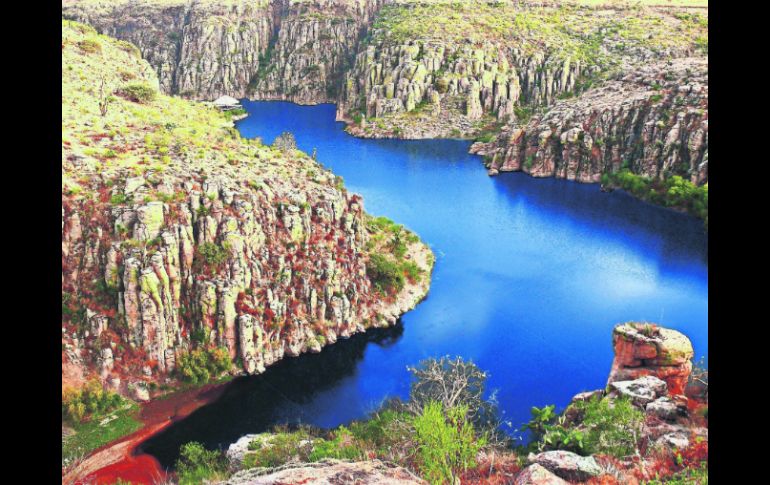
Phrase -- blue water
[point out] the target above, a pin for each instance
(530, 276)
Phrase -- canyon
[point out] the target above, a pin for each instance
(572, 91)
(176, 234)
(194, 252)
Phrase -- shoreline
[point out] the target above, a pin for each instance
(121, 458)
(353, 130)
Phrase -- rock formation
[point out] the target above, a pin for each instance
(329, 472)
(643, 349)
(652, 120)
(536, 82)
(272, 49)
(176, 233)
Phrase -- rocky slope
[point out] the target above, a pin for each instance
(572, 90)
(448, 68)
(329, 472)
(652, 120)
(177, 233)
(656, 432)
(268, 49)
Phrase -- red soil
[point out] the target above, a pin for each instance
(121, 460)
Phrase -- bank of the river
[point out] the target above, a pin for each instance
(528, 270)
(121, 460)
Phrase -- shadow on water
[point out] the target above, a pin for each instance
(679, 235)
(253, 404)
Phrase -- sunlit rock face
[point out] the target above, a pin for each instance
(644, 349)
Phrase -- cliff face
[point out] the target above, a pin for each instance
(271, 49)
(652, 120)
(177, 234)
(572, 91)
(199, 49)
(312, 49)
(452, 69)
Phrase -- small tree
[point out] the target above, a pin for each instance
(453, 383)
(285, 142)
(447, 444)
(104, 98)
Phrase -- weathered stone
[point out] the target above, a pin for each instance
(567, 465)
(664, 408)
(536, 474)
(643, 349)
(641, 391)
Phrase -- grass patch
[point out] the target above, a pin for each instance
(98, 431)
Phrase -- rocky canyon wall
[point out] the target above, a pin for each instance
(177, 233)
(505, 73)
(652, 120)
(267, 49)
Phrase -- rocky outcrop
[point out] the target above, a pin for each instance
(652, 120)
(329, 472)
(644, 349)
(536, 474)
(450, 69)
(274, 49)
(567, 465)
(202, 49)
(256, 250)
(311, 51)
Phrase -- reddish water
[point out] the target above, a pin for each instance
(120, 459)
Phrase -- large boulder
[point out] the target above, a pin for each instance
(537, 475)
(567, 465)
(641, 391)
(645, 349)
(329, 472)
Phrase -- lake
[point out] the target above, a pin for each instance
(531, 275)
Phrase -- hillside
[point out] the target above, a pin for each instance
(184, 245)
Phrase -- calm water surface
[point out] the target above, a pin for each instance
(530, 277)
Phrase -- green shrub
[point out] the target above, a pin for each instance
(385, 275)
(197, 464)
(210, 256)
(342, 446)
(90, 400)
(90, 46)
(280, 448)
(447, 444)
(139, 93)
(201, 365)
(613, 429)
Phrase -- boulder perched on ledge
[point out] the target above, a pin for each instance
(645, 349)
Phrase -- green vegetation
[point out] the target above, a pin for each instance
(386, 275)
(673, 191)
(279, 448)
(96, 417)
(446, 441)
(435, 440)
(197, 464)
(212, 255)
(139, 93)
(116, 120)
(232, 113)
(388, 268)
(202, 365)
(608, 428)
(89, 401)
(341, 446)
(566, 32)
(90, 46)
